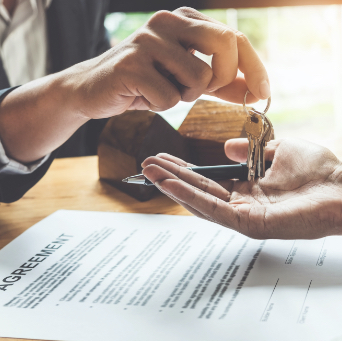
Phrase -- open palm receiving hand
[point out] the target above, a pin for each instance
(300, 196)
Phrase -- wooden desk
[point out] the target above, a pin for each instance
(73, 184)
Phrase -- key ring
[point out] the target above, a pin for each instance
(261, 113)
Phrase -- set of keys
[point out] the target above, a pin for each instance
(259, 131)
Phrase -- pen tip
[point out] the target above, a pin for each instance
(125, 180)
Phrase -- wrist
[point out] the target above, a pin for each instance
(78, 85)
(37, 118)
(65, 86)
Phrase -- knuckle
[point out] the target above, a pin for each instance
(185, 11)
(144, 37)
(204, 184)
(172, 100)
(190, 96)
(214, 205)
(241, 38)
(162, 155)
(151, 160)
(229, 36)
(159, 18)
(203, 75)
(193, 196)
(199, 76)
(207, 74)
(169, 101)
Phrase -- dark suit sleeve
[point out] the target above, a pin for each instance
(13, 187)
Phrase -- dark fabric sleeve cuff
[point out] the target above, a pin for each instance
(5, 92)
(14, 186)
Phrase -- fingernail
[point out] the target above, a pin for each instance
(264, 89)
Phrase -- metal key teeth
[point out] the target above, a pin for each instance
(259, 130)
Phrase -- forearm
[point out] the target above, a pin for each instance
(38, 117)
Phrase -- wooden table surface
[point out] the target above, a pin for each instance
(73, 184)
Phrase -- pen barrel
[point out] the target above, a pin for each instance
(148, 182)
(223, 172)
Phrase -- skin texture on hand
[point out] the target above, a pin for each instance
(299, 198)
(154, 68)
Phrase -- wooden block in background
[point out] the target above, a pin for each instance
(208, 126)
(127, 140)
(133, 136)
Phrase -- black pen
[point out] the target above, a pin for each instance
(216, 173)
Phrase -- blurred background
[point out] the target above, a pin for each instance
(301, 47)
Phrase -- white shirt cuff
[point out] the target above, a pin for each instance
(11, 167)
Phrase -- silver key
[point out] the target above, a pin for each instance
(259, 130)
(261, 163)
(267, 138)
(255, 130)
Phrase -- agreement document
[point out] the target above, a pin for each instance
(138, 277)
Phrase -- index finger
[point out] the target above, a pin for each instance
(208, 38)
(157, 169)
(170, 158)
(249, 62)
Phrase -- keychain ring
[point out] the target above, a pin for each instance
(261, 113)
